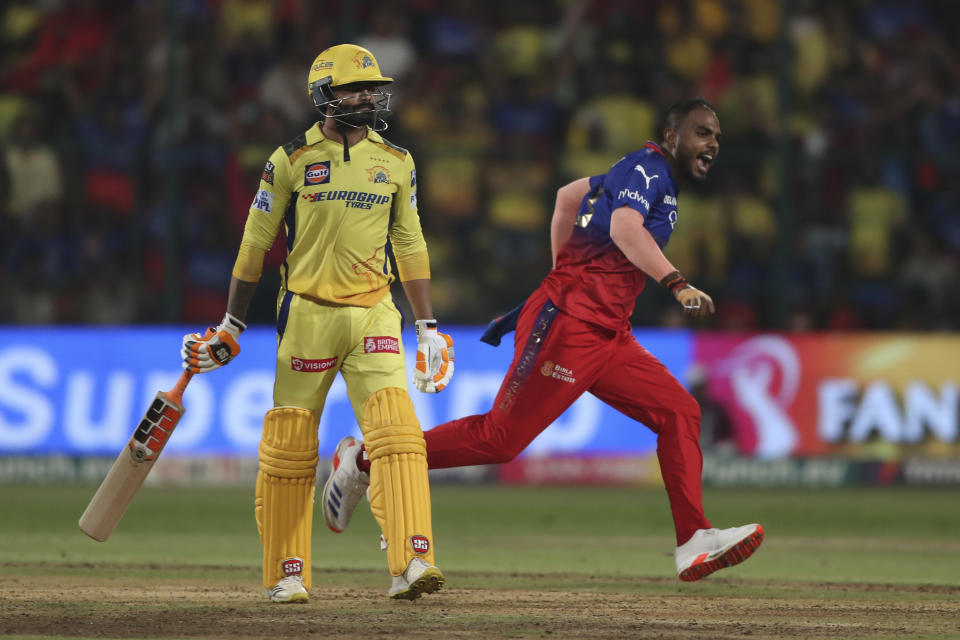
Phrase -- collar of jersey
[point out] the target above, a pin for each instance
(655, 147)
(315, 135)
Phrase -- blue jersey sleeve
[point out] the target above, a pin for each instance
(634, 184)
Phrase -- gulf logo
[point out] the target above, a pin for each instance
(316, 173)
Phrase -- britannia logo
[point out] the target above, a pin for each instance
(381, 344)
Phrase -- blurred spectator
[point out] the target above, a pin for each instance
(611, 122)
(388, 38)
(133, 136)
(284, 90)
(32, 172)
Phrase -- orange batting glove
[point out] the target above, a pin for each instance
(215, 349)
(434, 358)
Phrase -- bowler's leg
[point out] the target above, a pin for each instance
(555, 359)
(638, 384)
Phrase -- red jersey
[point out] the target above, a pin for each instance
(593, 280)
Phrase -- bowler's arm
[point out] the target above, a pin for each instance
(633, 239)
(565, 209)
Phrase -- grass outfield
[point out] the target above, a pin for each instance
(520, 562)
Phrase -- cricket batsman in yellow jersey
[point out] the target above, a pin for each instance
(347, 199)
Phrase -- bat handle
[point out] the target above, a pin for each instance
(176, 394)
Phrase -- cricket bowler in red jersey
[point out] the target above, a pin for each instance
(573, 335)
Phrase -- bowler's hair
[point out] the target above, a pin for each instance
(677, 113)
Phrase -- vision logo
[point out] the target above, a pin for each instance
(316, 173)
(303, 364)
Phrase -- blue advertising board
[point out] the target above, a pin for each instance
(79, 391)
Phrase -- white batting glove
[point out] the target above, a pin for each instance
(203, 353)
(434, 358)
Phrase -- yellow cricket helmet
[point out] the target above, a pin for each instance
(347, 64)
(344, 64)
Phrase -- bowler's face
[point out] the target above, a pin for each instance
(698, 143)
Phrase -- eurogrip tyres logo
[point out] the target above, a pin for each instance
(316, 173)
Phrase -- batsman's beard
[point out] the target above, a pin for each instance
(357, 118)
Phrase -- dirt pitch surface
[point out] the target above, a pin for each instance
(98, 601)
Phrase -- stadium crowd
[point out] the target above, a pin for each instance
(133, 135)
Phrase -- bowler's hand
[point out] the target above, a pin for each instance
(696, 303)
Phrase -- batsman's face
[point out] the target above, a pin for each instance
(698, 143)
(358, 101)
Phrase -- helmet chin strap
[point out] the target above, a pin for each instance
(342, 129)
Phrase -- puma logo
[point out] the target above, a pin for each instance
(639, 168)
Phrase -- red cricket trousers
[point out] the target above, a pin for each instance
(556, 359)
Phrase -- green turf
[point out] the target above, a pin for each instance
(882, 535)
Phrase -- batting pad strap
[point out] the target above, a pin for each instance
(390, 425)
(288, 448)
(393, 440)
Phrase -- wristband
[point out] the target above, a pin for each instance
(423, 325)
(233, 324)
(674, 281)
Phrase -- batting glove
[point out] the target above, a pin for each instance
(434, 358)
(696, 303)
(203, 353)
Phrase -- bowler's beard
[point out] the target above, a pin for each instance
(685, 161)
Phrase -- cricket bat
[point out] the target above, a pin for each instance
(134, 462)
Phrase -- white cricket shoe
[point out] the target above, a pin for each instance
(345, 486)
(289, 589)
(418, 579)
(712, 549)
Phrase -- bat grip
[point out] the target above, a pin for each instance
(176, 394)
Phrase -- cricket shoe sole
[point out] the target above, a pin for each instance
(718, 549)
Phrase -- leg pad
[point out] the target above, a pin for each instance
(399, 487)
(283, 504)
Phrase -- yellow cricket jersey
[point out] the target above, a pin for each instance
(342, 218)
